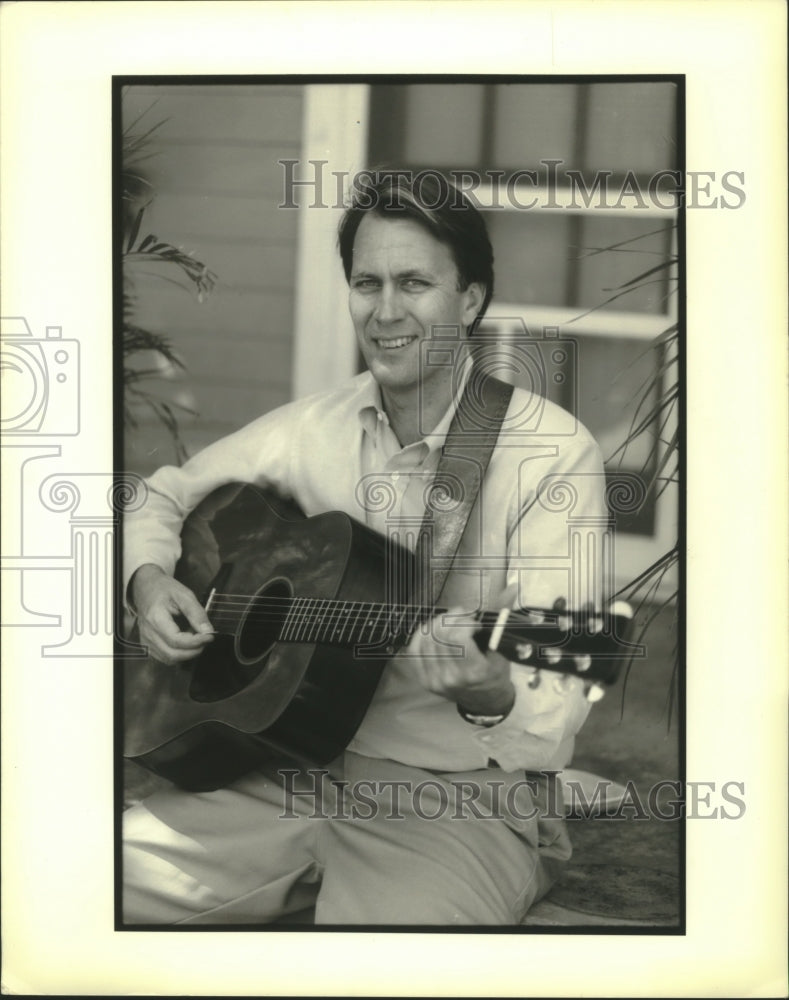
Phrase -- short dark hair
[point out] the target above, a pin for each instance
(432, 201)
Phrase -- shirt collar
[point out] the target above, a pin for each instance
(372, 414)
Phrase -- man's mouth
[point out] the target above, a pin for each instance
(393, 343)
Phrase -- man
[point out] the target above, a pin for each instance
(453, 832)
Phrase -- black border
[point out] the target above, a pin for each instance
(120, 81)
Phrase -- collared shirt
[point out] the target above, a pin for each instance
(537, 523)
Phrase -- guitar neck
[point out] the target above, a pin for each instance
(584, 643)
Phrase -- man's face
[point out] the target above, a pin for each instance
(403, 282)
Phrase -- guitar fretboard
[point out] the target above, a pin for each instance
(352, 623)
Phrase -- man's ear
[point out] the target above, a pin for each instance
(474, 296)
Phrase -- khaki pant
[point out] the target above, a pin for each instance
(370, 842)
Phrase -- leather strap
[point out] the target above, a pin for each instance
(470, 441)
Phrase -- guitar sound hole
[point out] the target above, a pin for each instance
(221, 671)
(263, 621)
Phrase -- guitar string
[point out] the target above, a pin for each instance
(227, 600)
(223, 602)
(367, 617)
(353, 617)
(359, 627)
(337, 611)
(358, 612)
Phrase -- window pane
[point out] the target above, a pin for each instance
(631, 127)
(530, 253)
(443, 124)
(610, 384)
(534, 122)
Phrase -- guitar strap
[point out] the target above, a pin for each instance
(464, 460)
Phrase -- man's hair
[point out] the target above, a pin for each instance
(433, 202)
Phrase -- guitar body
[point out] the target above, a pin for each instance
(248, 697)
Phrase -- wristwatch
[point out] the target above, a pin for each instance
(481, 720)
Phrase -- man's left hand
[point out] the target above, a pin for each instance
(448, 662)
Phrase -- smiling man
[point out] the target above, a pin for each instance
(404, 283)
(439, 811)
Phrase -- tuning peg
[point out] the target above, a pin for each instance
(594, 692)
(535, 680)
(595, 623)
(582, 662)
(621, 609)
(552, 655)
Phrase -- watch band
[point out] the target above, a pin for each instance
(480, 720)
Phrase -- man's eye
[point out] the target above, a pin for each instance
(365, 284)
(415, 283)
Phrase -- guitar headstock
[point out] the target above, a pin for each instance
(591, 645)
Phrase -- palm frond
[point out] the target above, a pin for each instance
(137, 195)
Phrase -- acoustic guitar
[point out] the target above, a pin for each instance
(305, 624)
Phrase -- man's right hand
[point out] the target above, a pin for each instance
(158, 599)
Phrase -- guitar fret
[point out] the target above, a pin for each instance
(344, 618)
(338, 622)
(291, 620)
(316, 621)
(309, 619)
(381, 611)
(401, 629)
(391, 627)
(305, 619)
(353, 621)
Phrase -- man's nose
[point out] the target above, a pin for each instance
(389, 307)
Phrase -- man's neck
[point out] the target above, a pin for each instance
(413, 414)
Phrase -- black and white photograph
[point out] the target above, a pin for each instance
(314, 274)
(394, 482)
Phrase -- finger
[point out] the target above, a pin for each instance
(455, 616)
(505, 598)
(162, 652)
(162, 623)
(193, 611)
(172, 656)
